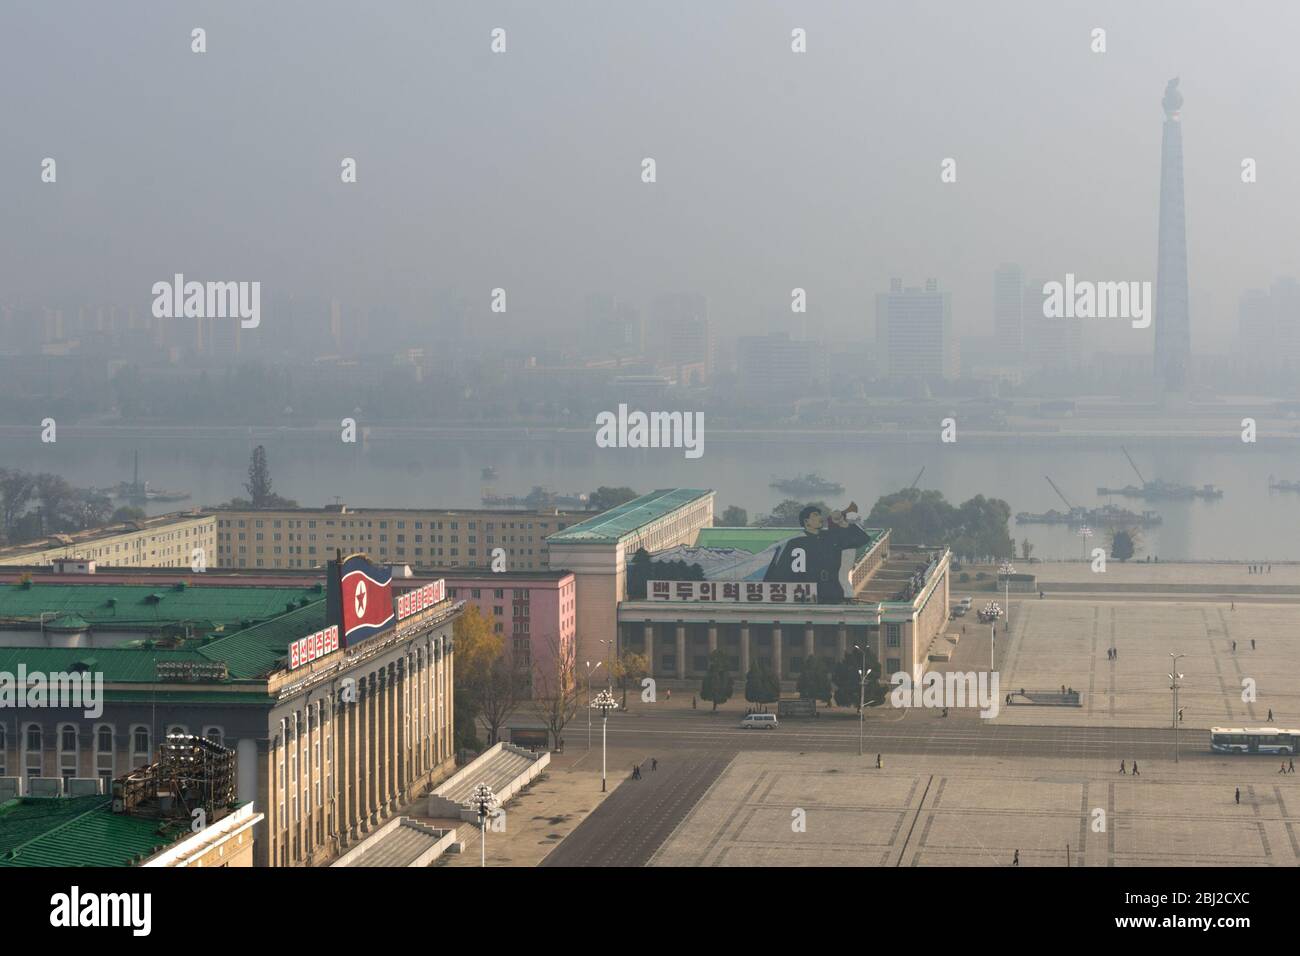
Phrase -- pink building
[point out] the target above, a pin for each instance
(534, 610)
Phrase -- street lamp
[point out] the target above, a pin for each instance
(486, 801)
(604, 703)
(1174, 678)
(1085, 533)
(1006, 569)
(863, 673)
(991, 613)
(590, 668)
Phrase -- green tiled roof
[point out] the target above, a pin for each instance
(82, 831)
(129, 665)
(611, 526)
(131, 606)
(254, 652)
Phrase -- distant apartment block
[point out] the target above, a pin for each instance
(775, 365)
(681, 339)
(165, 541)
(1269, 323)
(1008, 306)
(422, 538)
(1049, 344)
(914, 335)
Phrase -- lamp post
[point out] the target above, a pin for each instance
(1174, 678)
(862, 695)
(1084, 533)
(486, 801)
(590, 668)
(1006, 569)
(604, 703)
(992, 612)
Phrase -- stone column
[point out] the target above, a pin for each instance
(309, 816)
(809, 643)
(681, 651)
(650, 647)
(713, 637)
(367, 780)
(744, 649)
(300, 824)
(342, 770)
(842, 642)
(272, 822)
(776, 649)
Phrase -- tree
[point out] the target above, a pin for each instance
(1026, 549)
(717, 686)
(16, 489)
(476, 648)
(786, 514)
(258, 485)
(1123, 544)
(500, 692)
(848, 679)
(733, 517)
(604, 498)
(556, 695)
(127, 513)
(761, 685)
(629, 669)
(815, 680)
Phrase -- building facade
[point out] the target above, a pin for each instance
(165, 541)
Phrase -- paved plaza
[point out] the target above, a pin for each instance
(919, 811)
(1064, 642)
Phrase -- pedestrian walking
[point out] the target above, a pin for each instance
(1015, 860)
(668, 694)
(1270, 715)
(636, 771)
(879, 763)
(1283, 770)
(654, 764)
(1290, 767)
(1234, 647)
(1234, 606)
(945, 711)
(1135, 769)
(1121, 768)
(1252, 643)
(693, 707)
(1239, 796)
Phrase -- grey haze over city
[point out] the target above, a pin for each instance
(522, 171)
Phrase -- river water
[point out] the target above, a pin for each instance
(1248, 523)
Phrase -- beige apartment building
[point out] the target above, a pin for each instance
(166, 541)
(422, 538)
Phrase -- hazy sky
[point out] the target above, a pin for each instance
(522, 170)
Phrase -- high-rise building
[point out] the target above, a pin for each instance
(680, 336)
(1049, 344)
(1008, 306)
(775, 365)
(1269, 323)
(1173, 326)
(914, 332)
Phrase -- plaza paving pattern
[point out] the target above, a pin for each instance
(919, 811)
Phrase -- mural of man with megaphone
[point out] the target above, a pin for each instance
(817, 555)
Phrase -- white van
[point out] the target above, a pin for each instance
(761, 721)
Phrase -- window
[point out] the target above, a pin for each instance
(68, 751)
(104, 752)
(141, 750)
(32, 751)
(215, 734)
(892, 634)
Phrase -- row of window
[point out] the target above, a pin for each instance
(67, 736)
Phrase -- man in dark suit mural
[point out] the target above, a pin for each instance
(816, 555)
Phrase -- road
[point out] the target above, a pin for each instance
(633, 821)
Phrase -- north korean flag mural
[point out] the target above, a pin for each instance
(363, 599)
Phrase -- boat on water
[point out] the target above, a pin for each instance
(1283, 485)
(1159, 490)
(809, 484)
(1107, 516)
(137, 490)
(488, 473)
(536, 500)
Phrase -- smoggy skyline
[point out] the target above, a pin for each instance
(522, 170)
